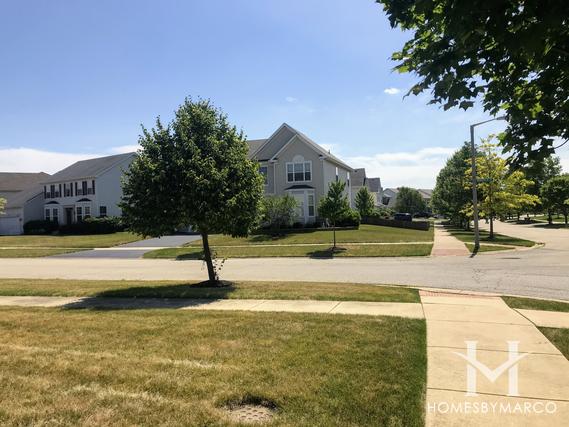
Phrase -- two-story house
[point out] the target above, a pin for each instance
(294, 164)
(88, 188)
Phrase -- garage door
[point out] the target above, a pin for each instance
(10, 225)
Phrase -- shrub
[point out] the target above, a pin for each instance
(351, 218)
(104, 225)
(41, 226)
(279, 212)
(382, 213)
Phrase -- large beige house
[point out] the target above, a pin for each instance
(294, 164)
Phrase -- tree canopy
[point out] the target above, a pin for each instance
(501, 191)
(279, 211)
(410, 201)
(555, 195)
(512, 55)
(451, 194)
(194, 171)
(364, 202)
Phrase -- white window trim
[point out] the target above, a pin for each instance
(303, 163)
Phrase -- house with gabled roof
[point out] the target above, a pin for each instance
(88, 188)
(24, 200)
(294, 164)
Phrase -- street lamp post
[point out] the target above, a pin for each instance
(475, 181)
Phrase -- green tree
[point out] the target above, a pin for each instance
(279, 212)
(500, 191)
(2, 205)
(194, 171)
(512, 55)
(450, 194)
(410, 201)
(364, 202)
(555, 195)
(334, 206)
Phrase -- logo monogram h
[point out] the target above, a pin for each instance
(510, 365)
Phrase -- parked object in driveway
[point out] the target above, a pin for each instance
(403, 217)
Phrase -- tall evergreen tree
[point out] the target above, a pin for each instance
(364, 202)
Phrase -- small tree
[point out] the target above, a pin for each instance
(555, 195)
(500, 191)
(2, 205)
(409, 200)
(279, 212)
(334, 206)
(195, 171)
(364, 202)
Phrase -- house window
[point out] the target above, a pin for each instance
(264, 170)
(52, 191)
(44, 192)
(79, 213)
(102, 211)
(299, 172)
(87, 212)
(76, 190)
(337, 175)
(84, 188)
(311, 205)
(93, 186)
(55, 214)
(47, 214)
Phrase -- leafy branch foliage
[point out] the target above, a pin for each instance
(512, 55)
(364, 202)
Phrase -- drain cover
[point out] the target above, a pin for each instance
(251, 414)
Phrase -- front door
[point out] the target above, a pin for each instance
(68, 215)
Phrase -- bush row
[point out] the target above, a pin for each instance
(105, 225)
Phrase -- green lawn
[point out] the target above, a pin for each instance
(32, 252)
(544, 218)
(536, 304)
(239, 290)
(499, 239)
(321, 251)
(170, 368)
(487, 248)
(87, 241)
(365, 234)
(559, 338)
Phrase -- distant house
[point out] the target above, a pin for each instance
(359, 180)
(24, 198)
(390, 196)
(88, 188)
(294, 164)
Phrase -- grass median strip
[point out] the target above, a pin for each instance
(239, 290)
(499, 239)
(170, 368)
(489, 248)
(316, 251)
(32, 252)
(559, 337)
(536, 304)
(84, 241)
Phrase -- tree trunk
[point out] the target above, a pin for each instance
(207, 258)
(565, 215)
(491, 227)
(549, 218)
(334, 231)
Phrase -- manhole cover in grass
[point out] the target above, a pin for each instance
(251, 414)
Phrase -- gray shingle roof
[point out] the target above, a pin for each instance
(254, 145)
(18, 181)
(19, 199)
(90, 168)
(374, 185)
(358, 177)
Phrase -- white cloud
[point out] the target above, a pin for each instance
(291, 99)
(24, 159)
(409, 168)
(392, 91)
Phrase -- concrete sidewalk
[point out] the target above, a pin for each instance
(543, 373)
(410, 310)
(447, 245)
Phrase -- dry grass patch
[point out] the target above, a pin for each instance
(117, 367)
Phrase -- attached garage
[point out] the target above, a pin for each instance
(10, 225)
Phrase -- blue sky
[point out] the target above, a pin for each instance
(79, 77)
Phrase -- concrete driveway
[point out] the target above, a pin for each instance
(556, 239)
(133, 250)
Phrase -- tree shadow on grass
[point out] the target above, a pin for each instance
(552, 226)
(157, 297)
(328, 253)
